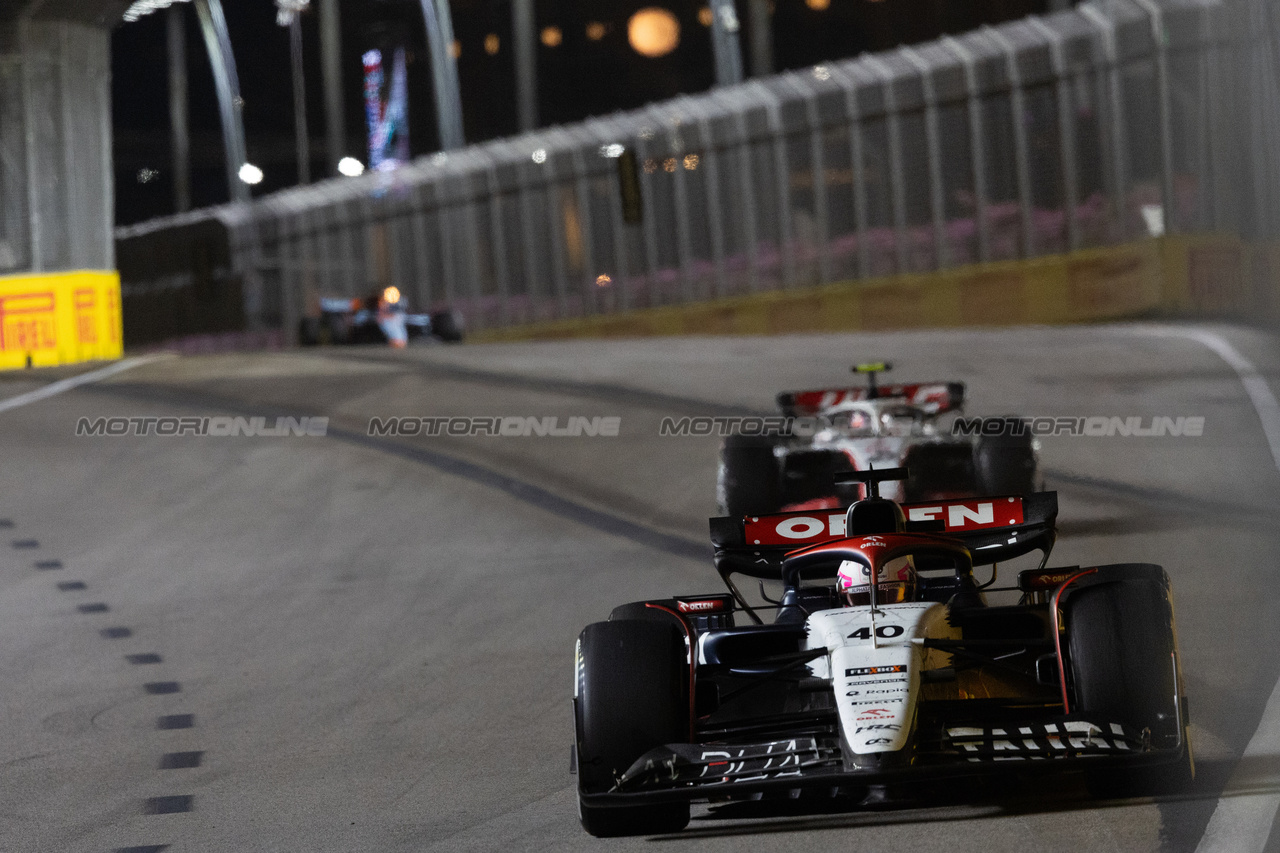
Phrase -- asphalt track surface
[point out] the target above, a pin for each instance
(347, 643)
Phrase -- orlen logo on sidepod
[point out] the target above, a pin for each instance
(700, 606)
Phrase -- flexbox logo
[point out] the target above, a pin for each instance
(203, 426)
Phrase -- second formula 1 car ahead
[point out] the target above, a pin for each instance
(880, 667)
(876, 425)
(381, 317)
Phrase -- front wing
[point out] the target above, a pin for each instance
(701, 771)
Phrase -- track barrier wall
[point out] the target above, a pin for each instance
(61, 318)
(1206, 275)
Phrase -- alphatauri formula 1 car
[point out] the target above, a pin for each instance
(877, 425)
(880, 668)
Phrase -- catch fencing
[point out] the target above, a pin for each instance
(1112, 122)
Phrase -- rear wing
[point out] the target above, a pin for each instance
(994, 529)
(934, 398)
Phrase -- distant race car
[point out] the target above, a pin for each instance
(881, 425)
(378, 318)
(846, 692)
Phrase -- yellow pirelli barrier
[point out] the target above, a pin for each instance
(59, 318)
(1192, 275)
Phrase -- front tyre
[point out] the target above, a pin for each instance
(1122, 647)
(632, 696)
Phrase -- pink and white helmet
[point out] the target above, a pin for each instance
(895, 582)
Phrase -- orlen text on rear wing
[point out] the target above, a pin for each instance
(934, 398)
(994, 529)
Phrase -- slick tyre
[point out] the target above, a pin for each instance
(334, 329)
(749, 480)
(631, 697)
(1005, 464)
(1122, 646)
(309, 332)
(447, 326)
(939, 471)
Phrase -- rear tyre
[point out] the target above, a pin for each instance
(749, 478)
(1006, 464)
(1122, 647)
(631, 697)
(810, 475)
(334, 329)
(940, 470)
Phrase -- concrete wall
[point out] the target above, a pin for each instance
(56, 195)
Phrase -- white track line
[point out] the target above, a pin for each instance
(1242, 821)
(1264, 401)
(83, 379)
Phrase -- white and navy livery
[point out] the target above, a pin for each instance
(852, 690)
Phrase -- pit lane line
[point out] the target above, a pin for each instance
(1242, 822)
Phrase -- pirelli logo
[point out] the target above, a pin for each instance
(28, 321)
(59, 318)
(86, 304)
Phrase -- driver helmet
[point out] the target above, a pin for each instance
(390, 299)
(896, 583)
(859, 421)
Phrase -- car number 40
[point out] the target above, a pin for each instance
(884, 632)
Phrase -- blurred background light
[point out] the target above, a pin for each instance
(653, 32)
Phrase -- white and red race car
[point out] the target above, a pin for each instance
(836, 430)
